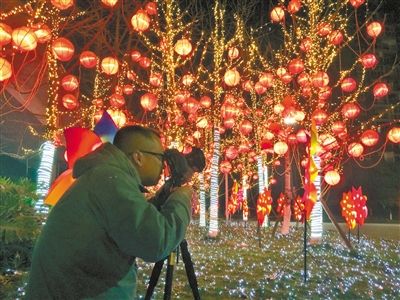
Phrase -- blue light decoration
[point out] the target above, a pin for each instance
(44, 177)
(316, 213)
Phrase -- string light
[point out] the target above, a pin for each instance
(202, 197)
(316, 213)
(213, 227)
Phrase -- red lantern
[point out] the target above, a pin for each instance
(88, 59)
(324, 29)
(183, 47)
(144, 62)
(301, 136)
(151, 8)
(231, 152)
(335, 37)
(320, 79)
(374, 29)
(348, 85)
(148, 101)
(246, 127)
(292, 139)
(5, 69)
(69, 83)
(69, 101)
(299, 115)
(155, 79)
(296, 66)
(201, 122)
(369, 61)
(324, 93)
(319, 116)
(278, 108)
(247, 85)
(117, 100)
(380, 90)
(356, 3)
(355, 149)
(332, 177)
(187, 79)
(118, 117)
(140, 21)
(259, 88)
(135, 55)
(63, 49)
(231, 77)
(266, 79)
(280, 148)
(233, 53)
(24, 38)
(181, 96)
(110, 65)
(351, 110)
(225, 167)
(62, 4)
(42, 32)
(229, 123)
(5, 34)
(127, 89)
(394, 135)
(109, 3)
(294, 6)
(303, 79)
(306, 44)
(190, 105)
(277, 14)
(370, 138)
(205, 101)
(338, 127)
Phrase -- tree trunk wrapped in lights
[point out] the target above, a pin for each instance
(213, 229)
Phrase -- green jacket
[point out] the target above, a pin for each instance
(93, 234)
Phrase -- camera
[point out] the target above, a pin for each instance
(182, 166)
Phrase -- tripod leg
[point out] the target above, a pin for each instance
(155, 274)
(187, 260)
(169, 275)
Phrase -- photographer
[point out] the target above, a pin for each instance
(87, 248)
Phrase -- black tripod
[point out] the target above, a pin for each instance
(155, 274)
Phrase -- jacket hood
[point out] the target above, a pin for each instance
(106, 154)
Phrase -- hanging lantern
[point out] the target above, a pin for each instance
(62, 4)
(259, 88)
(117, 100)
(144, 62)
(301, 136)
(88, 59)
(131, 75)
(155, 79)
(278, 108)
(183, 47)
(232, 77)
(118, 117)
(135, 55)
(303, 79)
(292, 139)
(109, 3)
(338, 127)
(140, 21)
(225, 167)
(281, 71)
(181, 96)
(277, 14)
(197, 134)
(348, 85)
(394, 135)
(335, 37)
(190, 105)
(296, 66)
(70, 83)
(306, 44)
(42, 32)
(324, 93)
(127, 89)
(369, 138)
(24, 38)
(380, 90)
(374, 29)
(229, 123)
(299, 115)
(69, 101)
(319, 116)
(320, 79)
(187, 79)
(351, 110)
(355, 149)
(280, 148)
(231, 152)
(332, 177)
(369, 61)
(324, 29)
(356, 3)
(244, 147)
(205, 101)
(286, 78)
(5, 34)
(151, 8)
(266, 79)
(148, 101)
(247, 85)
(110, 65)
(202, 122)
(5, 69)
(246, 127)
(294, 6)
(62, 49)
(233, 53)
